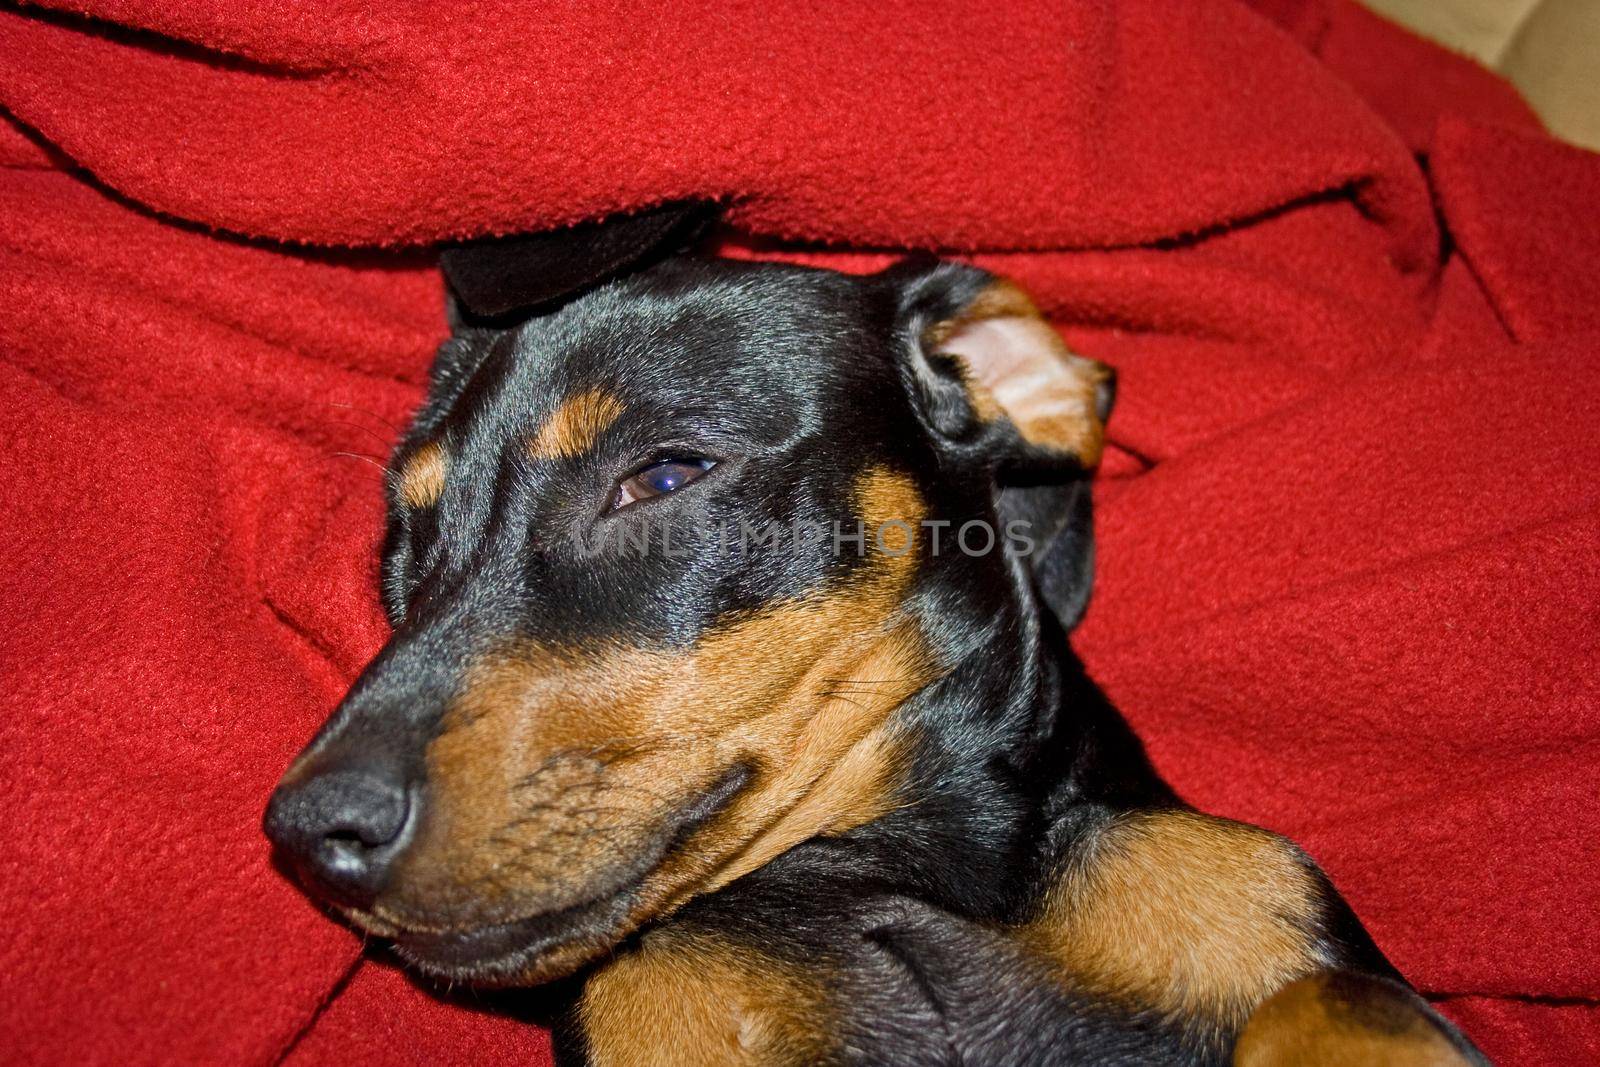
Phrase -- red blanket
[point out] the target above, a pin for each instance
(1350, 533)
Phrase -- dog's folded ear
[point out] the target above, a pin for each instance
(988, 358)
(993, 381)
(494, 278)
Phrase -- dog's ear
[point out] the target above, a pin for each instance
(496, 278)
(985, 359)
(994, 382)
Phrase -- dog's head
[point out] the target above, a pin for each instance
(662, 564)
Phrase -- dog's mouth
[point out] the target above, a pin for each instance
(526, 951)
(549, 945)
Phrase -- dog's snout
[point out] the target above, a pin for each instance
(343, 828)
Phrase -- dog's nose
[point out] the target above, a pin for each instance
(343, 828)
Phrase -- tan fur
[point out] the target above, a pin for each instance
(1313, 1023)
(556, 768)
(686, 1000)
(1183, 913)
(422, 477)
(575, 425)
(1017, 364)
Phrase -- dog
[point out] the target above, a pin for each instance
(730, 674)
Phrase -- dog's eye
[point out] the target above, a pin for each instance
(659, 479)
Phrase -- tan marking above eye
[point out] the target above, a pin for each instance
(686, 999)
(1017, 365)
(556, 767)
(1181, 912)
(422, 476)
(575, 425)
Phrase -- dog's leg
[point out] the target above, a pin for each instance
(691, 998)
(1339, 1018)
(1189, 916)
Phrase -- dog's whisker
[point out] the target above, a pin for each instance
(365, 411)
(364, 458)
(368, 430)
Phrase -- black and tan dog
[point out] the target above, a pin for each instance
(784, 799)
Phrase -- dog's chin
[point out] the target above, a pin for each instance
(530, 951)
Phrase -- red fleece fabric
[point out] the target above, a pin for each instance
(1349, 534)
